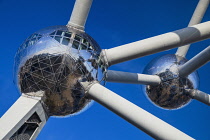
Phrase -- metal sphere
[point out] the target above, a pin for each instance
(53, 61)
(169, 94)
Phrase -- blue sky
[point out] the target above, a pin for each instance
(111, 23)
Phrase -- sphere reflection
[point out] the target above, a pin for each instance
(54, 60)
(170, 93)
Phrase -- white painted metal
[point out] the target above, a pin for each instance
(140, 118)
(80, 13)
(199, 95)
(196, 62)
(157, 44)
(132, 78)
(18, 113)
(196, 18)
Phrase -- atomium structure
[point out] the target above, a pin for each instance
(170, 93)
(54, 60)
(59, 70)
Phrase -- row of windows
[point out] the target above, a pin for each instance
(31, 40)
(80, 46)
(61, 33)
(66, 34)
(64, 38)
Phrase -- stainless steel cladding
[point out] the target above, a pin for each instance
(170, 93)
(54, 60)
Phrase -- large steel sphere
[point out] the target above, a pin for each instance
(169, 94)
(53, 61)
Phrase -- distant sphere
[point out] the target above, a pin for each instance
(53, 61)
(169, 94)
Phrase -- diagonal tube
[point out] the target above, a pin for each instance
(156, 44)
(196, 18)
(194, 63)
(80, 13)
(132, 78)
(15, 119)
(199, 95)
(140, 118)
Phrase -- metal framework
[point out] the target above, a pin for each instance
(32, 117)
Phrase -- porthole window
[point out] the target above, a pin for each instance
(75, 45)
(83, 47)
(78, 38)
(65, 41)
(58, 38)
(67, 34)
(84, 41)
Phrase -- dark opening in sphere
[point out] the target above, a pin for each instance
(53, 61)
(170, 93)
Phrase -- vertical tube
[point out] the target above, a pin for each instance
(140, 118)
(80, 13)
(196, 18)
(194, 63)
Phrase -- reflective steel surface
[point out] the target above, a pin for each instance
(169, 94)
(54, 60)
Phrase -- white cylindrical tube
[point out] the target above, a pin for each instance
(140, 118)
(80, 13)
(194, 63)
(199, 95)
(132, 78)
(196, 18)
(157, 44)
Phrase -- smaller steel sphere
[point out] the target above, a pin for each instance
(169, 94)
(53, 61)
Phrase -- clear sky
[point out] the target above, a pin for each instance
(111, 23)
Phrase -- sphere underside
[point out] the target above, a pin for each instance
(53, 61)
(169, 94)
